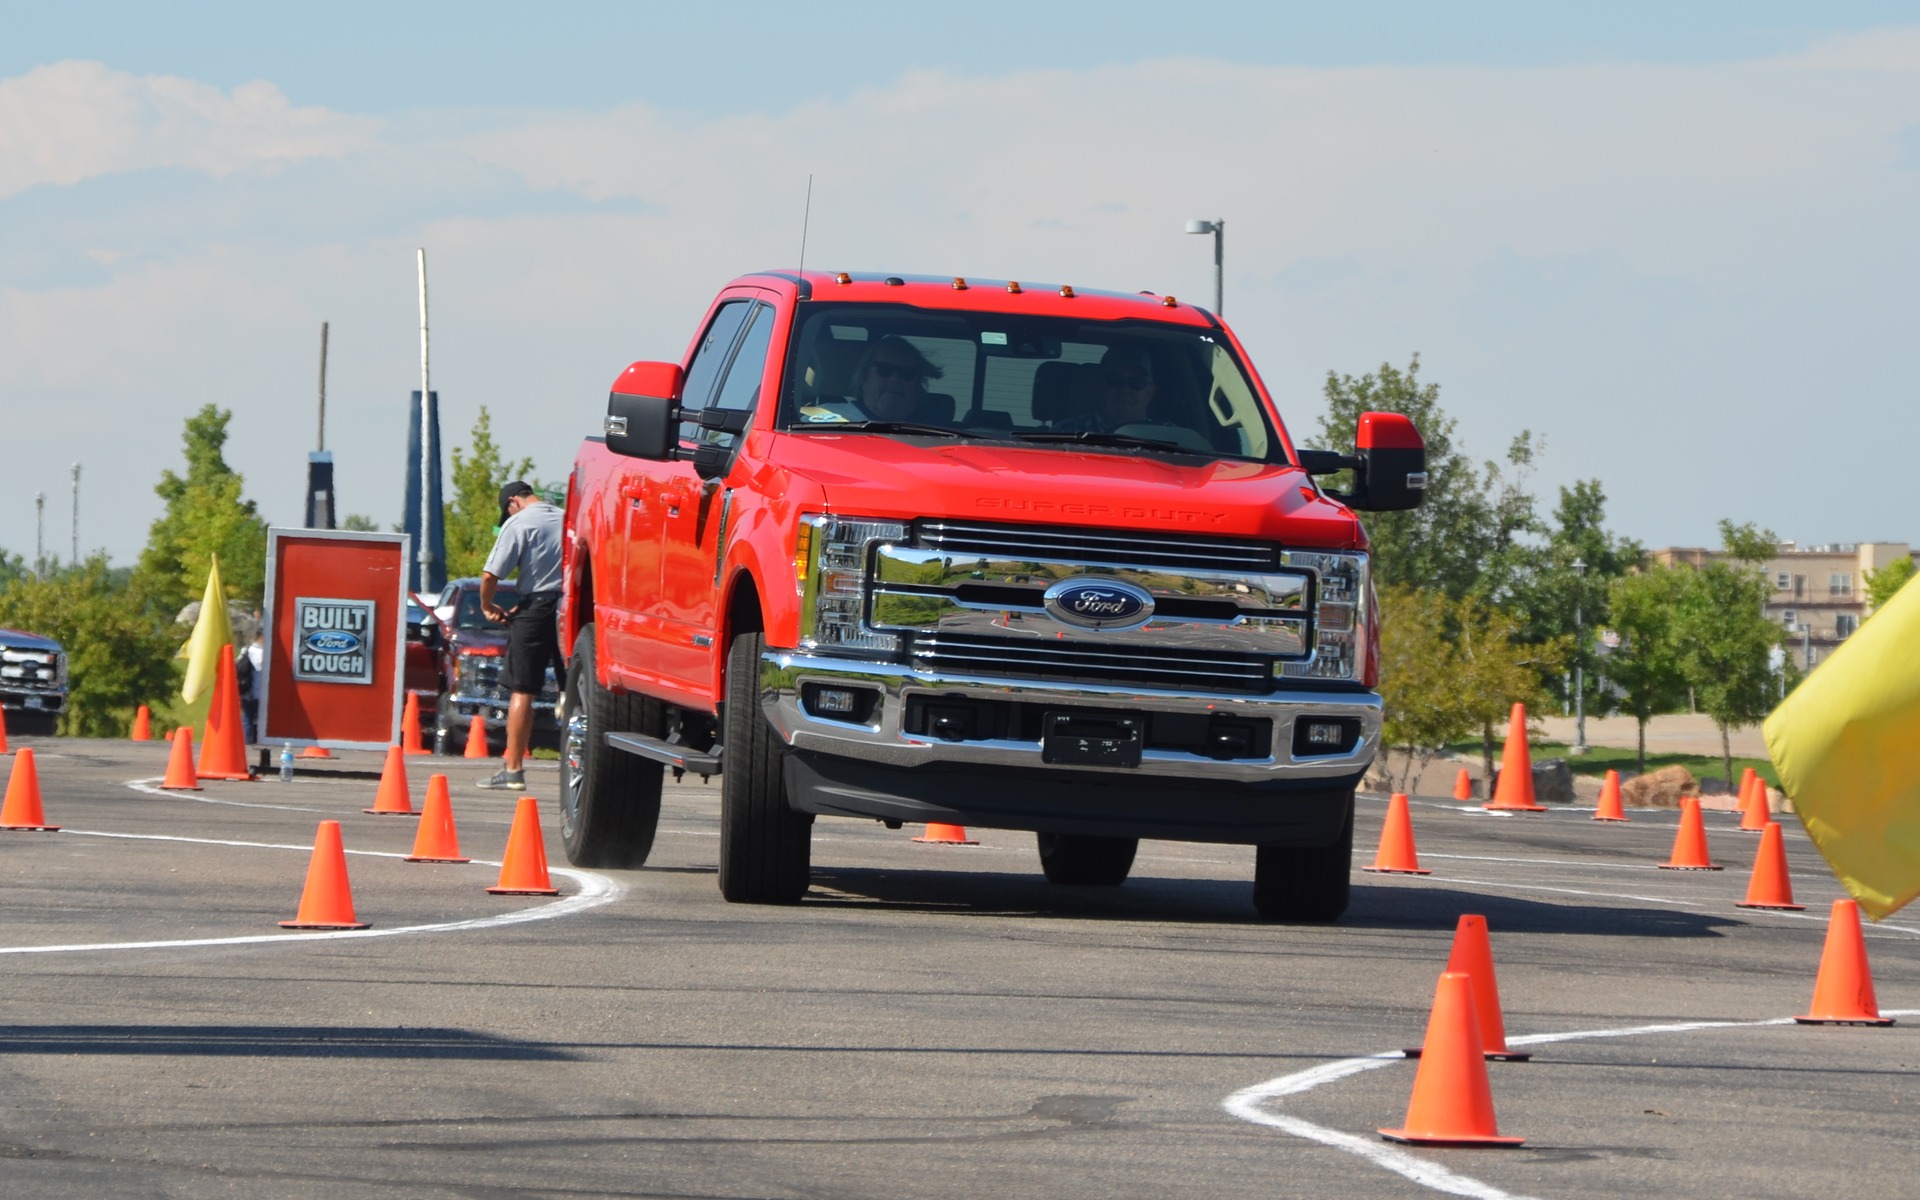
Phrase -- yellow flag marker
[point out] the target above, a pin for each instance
(1847, 746)
(211, 633)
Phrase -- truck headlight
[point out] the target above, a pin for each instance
(1342, 618)
(830, 570)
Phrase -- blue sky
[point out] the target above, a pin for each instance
(1676, 240)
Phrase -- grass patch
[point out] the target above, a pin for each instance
(1598, 760)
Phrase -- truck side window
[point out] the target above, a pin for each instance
(708, 361)
(740, 390)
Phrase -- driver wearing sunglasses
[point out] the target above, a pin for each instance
(890, 382)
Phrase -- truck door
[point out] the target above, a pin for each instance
(699, 514)
(648, 492)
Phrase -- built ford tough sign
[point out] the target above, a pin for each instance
(997, 554)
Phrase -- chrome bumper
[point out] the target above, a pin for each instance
(881, 742)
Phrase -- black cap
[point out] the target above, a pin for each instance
(518, 487)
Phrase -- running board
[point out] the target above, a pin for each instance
(681, 758)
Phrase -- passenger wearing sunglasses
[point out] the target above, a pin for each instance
(891, 381)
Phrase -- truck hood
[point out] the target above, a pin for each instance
(880, 476)
(19, 639)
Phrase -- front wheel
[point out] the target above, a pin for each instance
(609, 799)
(1305, 883)
(765, 846)
(1085, 859)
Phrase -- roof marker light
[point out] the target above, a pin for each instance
(1169, 301)
(959, 284)
(1013, 285)
(842, 277)
(1066, 289)
(894, 281)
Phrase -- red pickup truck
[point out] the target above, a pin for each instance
(977, 552)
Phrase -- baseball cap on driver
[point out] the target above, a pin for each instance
(518, 487)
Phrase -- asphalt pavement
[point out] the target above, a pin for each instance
(931, 1021)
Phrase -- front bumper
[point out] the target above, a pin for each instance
(18, 700)
(1263, 794)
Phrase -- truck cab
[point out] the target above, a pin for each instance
(1012, 556)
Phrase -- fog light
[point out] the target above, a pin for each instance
(1325, 733)
(835, 700)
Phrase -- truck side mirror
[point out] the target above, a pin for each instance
(643, 411)
(1392, 471)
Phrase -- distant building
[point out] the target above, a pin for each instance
(1817, 593)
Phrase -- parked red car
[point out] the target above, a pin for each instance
(468, 652)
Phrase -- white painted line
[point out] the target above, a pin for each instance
(1248, 1104)
(595, 891)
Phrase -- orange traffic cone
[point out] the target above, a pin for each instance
(20, 811)
(1843, 992)
(1463, 785)
(436, 841)
(1472, 956)
(1397, 855)
(224, 754)
(477, 738)
(142, 725)
(523, 872)
(1754, 817)
(316, 752)
(1452, 1101)
(946, 835)
(180, 776)
(1690, 843)
(410, 726)
(391, 800)
(1609, 808)
(327, 902)
(1514, 792)
(1770, 886)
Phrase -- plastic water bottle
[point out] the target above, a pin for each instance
(286, 763)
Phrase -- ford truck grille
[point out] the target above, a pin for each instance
(1113, 665)
(1119, 547)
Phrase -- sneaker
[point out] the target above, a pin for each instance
(505, 781)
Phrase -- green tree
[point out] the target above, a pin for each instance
(1445, 542)
(1882, 584)
(205, 514)
(474, 512)
(119, 655)
(357, 523)
(1649, 665)
(1727, 641)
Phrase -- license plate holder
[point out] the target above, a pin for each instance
(1092, 739)
(34, 702)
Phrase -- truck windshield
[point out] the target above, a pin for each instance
(1127, 385)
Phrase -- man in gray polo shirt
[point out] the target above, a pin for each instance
(529, 542)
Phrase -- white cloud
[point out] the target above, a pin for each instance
(70, 121)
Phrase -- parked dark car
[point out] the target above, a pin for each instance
(33, 681)
(470, 654)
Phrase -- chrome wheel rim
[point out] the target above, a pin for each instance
(575, 753)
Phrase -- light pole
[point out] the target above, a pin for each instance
(1579, 668)
(1806, 643)
(1218, 228)
(39, 535)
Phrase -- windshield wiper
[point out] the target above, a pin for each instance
(1091, 437)
(882, 427)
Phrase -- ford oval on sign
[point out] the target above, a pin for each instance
(1098, 603)
(333, 641)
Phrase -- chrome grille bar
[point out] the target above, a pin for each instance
(1135, 548)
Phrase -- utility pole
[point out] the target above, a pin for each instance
(426, 435)
(321, 438)
(39, 534)
(1579, 666)
(75, 560)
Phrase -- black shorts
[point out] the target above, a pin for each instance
(533, 643)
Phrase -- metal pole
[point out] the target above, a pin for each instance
(1219, 268)
(1806, 643)
(322, 435)
(75, 560)
(426, 427)
(39, 534)
(1579, 668)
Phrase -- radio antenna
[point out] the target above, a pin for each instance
(806, 214)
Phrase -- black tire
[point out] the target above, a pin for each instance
(609, 799)
(33, 724)
(1305, 883)
(443, 731)
(765, 846)
(1086, 860)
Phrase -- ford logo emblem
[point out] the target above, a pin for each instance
(1098, 603)
(333, 641)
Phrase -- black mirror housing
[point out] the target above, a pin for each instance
(642, 426)
(1391, 474)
